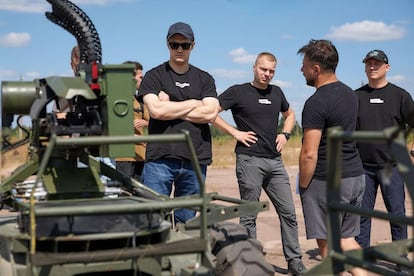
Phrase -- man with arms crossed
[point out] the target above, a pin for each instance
(179, 96)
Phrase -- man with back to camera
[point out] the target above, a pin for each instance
(179, 96)
(333, 104)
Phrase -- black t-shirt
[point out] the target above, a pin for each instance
(256, 110)
(193, 84)
(379, 109)
(334, 104)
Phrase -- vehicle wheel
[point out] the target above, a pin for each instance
(5, 265)
(236, 253)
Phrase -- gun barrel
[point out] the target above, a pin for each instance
(18, 96)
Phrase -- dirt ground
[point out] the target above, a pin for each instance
(224, 182)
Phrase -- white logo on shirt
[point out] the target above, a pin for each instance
(376, 101)
(182, 85)
(264, 101)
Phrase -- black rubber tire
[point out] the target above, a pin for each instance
(236, 253)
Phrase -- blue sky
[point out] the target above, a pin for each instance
(229, 34)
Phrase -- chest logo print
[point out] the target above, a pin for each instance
(182, 85)
(264, 101)
(376, 101)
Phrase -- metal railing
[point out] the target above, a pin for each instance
(367, 258)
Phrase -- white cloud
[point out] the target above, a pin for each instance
(404, 81)
(30, 6)
(241, 56)
(40, 6)
(230, 74)
(287, 37)
(11, 75)
(397, 78)
(367, 31)
(15, 39)
(31, 75)
(238, 52)
(7, 74)
(281, 83)
(100, 2)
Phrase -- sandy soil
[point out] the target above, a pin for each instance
(224, 182)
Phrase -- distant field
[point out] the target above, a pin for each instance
(224, 156)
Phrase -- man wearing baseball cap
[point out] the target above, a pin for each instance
(376, 54)
(179, 96)
(180, 28)
(382, 105)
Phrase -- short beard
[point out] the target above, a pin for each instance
(310, 82)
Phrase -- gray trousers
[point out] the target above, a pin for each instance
(253, 174)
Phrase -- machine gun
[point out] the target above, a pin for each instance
(94, 111)
(79, 225)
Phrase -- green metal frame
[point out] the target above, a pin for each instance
(369, 258)
(147, 259)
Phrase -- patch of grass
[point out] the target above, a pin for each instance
(224, 156)
(12, 159)
(290, 154)
(223, 152)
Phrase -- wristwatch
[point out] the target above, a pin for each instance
(287, 134)
(412, 153)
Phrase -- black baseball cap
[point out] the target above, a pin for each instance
(180, 28)
(376, 54)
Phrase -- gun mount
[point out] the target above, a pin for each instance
(67, 220)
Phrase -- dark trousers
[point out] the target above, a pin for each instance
(393, 193)
(255, 174)
(131, 168)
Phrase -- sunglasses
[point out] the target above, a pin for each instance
(176, 45)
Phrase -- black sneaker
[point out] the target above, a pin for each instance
(296, 267)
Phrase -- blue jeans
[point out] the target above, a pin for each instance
(161, 174)
(393, 193)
